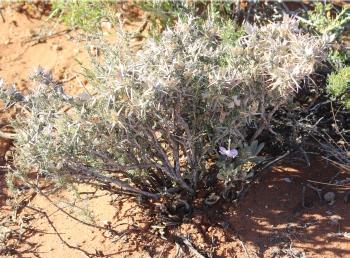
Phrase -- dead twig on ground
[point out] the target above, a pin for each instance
(318, 190)
(42, 38)
(329, 184)
(17, 57)
(68, 79)
(333, 178)
(2, 16)
(307, 160)
(143, 26)
(87, 254)
(244, 248)
(192, 249)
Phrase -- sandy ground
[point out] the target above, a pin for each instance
(269, 222)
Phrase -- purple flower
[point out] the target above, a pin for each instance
(229, 153)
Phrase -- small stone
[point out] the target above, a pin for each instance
(329, 197)
(334, 220)
(329, 213)
(211, 199)
(287, 180)
(57, 47)
(14, 23)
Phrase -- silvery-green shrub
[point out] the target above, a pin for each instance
(152, 118)
(338, 85)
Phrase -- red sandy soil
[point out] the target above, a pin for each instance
(268, 222)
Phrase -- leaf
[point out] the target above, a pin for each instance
(253, 147)
(259, 148)
(221, 177)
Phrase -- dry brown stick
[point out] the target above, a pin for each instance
(303, 152)
(178, 250)
(143, 26)
(68, 79)
(2, 16)
(244, 248)
(333, 178)
(265, 123)
(44, 37)
(191, 248)
(20, 54)
(328, 184)
(336, 124)
(174, 146)
(6, 135)
(22, 203)
(167, 168)
(189, 145)
(345, 167)
(317, 190)
(90, 172)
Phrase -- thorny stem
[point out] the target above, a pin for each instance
(166, 167)
(189, 148)
(90, 172)
(265, 120)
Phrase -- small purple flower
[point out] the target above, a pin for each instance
(229, 153)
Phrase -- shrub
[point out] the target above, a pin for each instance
(339, 85)
(165, 13)
(338, 59)
(162, 13)
(84, 14)
(154, 118)
(324, 22)
(332, 23)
